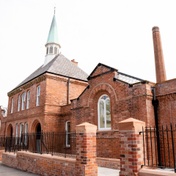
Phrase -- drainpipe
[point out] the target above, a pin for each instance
(155, 104)
(68, 90)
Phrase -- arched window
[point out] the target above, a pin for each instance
(104, 113)
(51, 50)
(67, 132)
(55, 50)
(16, 133)
(11, 110)
(25, 133)
(28, 99)
(47, 50)
(19, 101)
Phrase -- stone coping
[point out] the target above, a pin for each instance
(156, 172)
(36, 155)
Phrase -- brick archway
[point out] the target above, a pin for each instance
(10, 130)
(103, 87)
(35, 126)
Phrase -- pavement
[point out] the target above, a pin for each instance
(8, 171)
(103, 171)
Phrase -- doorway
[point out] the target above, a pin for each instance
(38, 138)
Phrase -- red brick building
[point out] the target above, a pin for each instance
(59, 95)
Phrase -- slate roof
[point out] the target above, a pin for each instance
(60, 65)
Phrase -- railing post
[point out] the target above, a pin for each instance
(173, 147)
(86, 164)
(131, 146)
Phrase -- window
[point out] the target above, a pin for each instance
(104, 113)
(28, 100)
(11, 110)
(67, 131)
(16, 134)
(38, 96)
(25, 133)
(55, 50)
(23, 99)
(19, 101)
(51, 50)
(21, 129)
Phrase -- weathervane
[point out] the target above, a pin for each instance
(54, 10)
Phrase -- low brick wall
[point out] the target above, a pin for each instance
(40, 164)
(108, 162)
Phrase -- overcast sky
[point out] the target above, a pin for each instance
(117, 33)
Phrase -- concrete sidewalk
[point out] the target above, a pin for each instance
(8, 171)
(102, 171)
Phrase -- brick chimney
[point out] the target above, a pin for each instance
(159, 59)
(73, 61)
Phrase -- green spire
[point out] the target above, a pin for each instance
(53, 32)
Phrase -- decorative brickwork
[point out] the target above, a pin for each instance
(131, 147)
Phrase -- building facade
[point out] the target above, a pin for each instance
(59, 95)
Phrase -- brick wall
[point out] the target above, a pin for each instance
(1, 151)
(131, 146)
(85, 163)
(166, 95)
(108, 163)
(40, 164)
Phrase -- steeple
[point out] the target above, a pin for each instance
(52, 45)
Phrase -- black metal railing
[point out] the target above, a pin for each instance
(45, 142)
(2, 142)
(166, 136)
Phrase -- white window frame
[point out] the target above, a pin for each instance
(103, 99)
(12, 104)
(23, 100)
(19, 102)
(38, 96)
(67, 133)
(28, 99)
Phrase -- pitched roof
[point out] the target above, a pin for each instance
(60, 65)
(120, 76)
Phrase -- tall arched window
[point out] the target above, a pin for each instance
(55, 50)
(104, 113)
(67, 132)
(51, 50)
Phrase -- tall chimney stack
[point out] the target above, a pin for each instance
(159, 59)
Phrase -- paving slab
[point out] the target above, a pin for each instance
(103, 171)
(8, 171)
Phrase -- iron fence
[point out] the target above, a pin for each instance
(45, 142)
(160, 146)
(2, 142)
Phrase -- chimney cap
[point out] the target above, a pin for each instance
(155, 29)
(74, 62)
